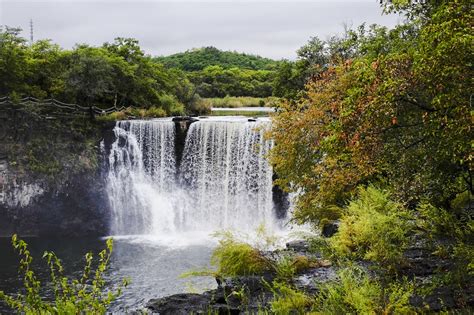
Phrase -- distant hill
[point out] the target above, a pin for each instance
(200, 58)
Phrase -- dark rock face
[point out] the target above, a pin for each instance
(182, 124)
(280, 200)
(245, 294)
(51, 180)
(329, 229)
(76, 208)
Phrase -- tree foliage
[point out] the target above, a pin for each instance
(397, 111)
(117, 73)
(200, 58)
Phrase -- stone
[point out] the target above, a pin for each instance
(329, 229)
(298, 246)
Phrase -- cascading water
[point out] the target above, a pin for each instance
(224, 180)
(142, 171)
(227, 176)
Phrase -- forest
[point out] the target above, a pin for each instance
(121, 74)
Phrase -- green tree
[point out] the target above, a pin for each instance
(400, 115)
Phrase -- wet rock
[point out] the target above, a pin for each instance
(244, 294)
(329, 229)
(184, 303)
(444, 298)
(310, 280)
(298, 246)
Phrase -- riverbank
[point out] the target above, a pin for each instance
(273, 291)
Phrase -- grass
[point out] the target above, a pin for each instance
(236, 258)
(152, 112)
(239, 113)
(241, 101)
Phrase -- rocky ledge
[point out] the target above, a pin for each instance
(243, 294)
(249, 294)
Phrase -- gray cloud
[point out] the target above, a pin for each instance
(269, 28)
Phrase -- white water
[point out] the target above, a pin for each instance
(224, 181)
(141, 177)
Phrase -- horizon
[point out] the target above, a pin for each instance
(165, 28)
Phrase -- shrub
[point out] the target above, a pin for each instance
(112, 116)
(288, 300)
(374, 228)
(356, 293)
(86, 295)
(200, 106)
(171, 105)
(154, 112)
(288, 266)
(236, 258)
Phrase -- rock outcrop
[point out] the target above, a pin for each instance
(50, 176)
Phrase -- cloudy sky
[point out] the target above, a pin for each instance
(272, 29)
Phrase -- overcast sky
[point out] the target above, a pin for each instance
(274, 29)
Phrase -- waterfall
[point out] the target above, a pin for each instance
(227, 176)
(224, 179)
(141, 177)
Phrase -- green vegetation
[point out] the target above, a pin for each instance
(355, 292)
(152, 112)
(288, 300)
(201, 58)
(239, 113)
(119, 74)
(236, 258)
(376, 134)
(242, 101)
(115, 74)
(374, 228)
(396, 114)
(217, 73)
(86, 295)
(215, 81)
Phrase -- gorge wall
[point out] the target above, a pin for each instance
(50, 175)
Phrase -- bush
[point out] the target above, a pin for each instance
(171, 105)
(86, 295)
(236, 258)
(288, 266)
(374, 228)
(356, 293)
(200, 106)
(288, 300)
(242, 101)
(153, 111)
(112, 116)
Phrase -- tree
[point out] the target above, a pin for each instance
(89, 75)
(13, 61)
(399, 115)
